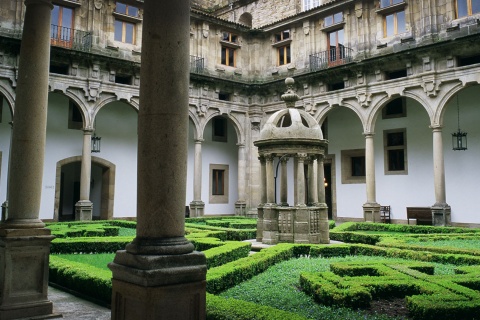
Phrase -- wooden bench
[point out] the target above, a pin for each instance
(423, 215)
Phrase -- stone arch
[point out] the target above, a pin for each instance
(9, 95)
(442, 105)
(104, 102)
(197, 134)
(87, 121)
(236, 125)
(245, 19)
(322, 115)
(108, 185)
(382, 101)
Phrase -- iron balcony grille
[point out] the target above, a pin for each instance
(330, 58)
(70, 38)
(196, 64)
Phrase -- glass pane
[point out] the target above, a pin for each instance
(475, 6)
(288, 54)
(129, 33)
(397, 1)
(462, 8)
(358, 166)
(396, 160)
(233, 38)
(286, 34)
(121, 8)
(395, 139)
(328, 21)
(401, 25)
(225, 36)
(223, 58)
(337, 18)
(231, 57)
(55, 14)
(118, 30)
(390, 30)
(384, 3)
(67, 19)
(132, 11)
(332, 39)
(340, 37)
(281, 56)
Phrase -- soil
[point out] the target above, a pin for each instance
(395, 307)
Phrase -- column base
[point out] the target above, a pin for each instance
(441, 214)
(24, 256)
(241, 208)
(83, 210)
(168, 285)
(371, 212)
(197, 209)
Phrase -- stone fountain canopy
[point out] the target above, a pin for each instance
(291, 131)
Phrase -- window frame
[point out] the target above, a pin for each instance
(287, 55)
(126, 20)
(219, 198)
(388, 148)
(469, 9)
(346, 166)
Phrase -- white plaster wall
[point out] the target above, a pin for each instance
(116, 123)
(345, 133)
(224, 153)
(5, 135)
(415, 188)
(462, 174)
(61, 143)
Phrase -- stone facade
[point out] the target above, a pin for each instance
(427, 65)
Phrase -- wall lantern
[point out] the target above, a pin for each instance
(96, 143)
(459, 138)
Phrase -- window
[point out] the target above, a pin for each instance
(219, 129)
(394, 23)
(467, 8)
(387, 3)
(224, 96)
(395, 109)
(309, 4)
(281, 36)
(395, 147)
(353, 166)
(396, 74)
(282, 43)
(283, 55)
(218, 183)
(333, 19)
(228, 56)
(336, 49)
(61, 30)
(229, 45)
(125, 23)
(75, 120)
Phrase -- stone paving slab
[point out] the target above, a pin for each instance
(71, 307)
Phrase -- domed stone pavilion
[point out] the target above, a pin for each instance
(292, 134)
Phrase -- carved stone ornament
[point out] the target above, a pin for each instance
(93, 91)
(431, 87)
(98, 4)
(310, 108)
(202, 109)
(364, 99)
(306, 30)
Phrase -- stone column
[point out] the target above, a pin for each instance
(301, 157)
(84, 207)
(321, 179)
(283, 182)
(24, 242)
(312, 183)
(270, 183)
(240, 205)
(263, 191)
(159, 276)
(440, 210)
(197, 206)
(371, 209)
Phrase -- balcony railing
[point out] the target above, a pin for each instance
(196, 64)
(70, 38)
(333, 57)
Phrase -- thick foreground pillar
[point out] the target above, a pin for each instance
(159, 276)
(24, 242)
